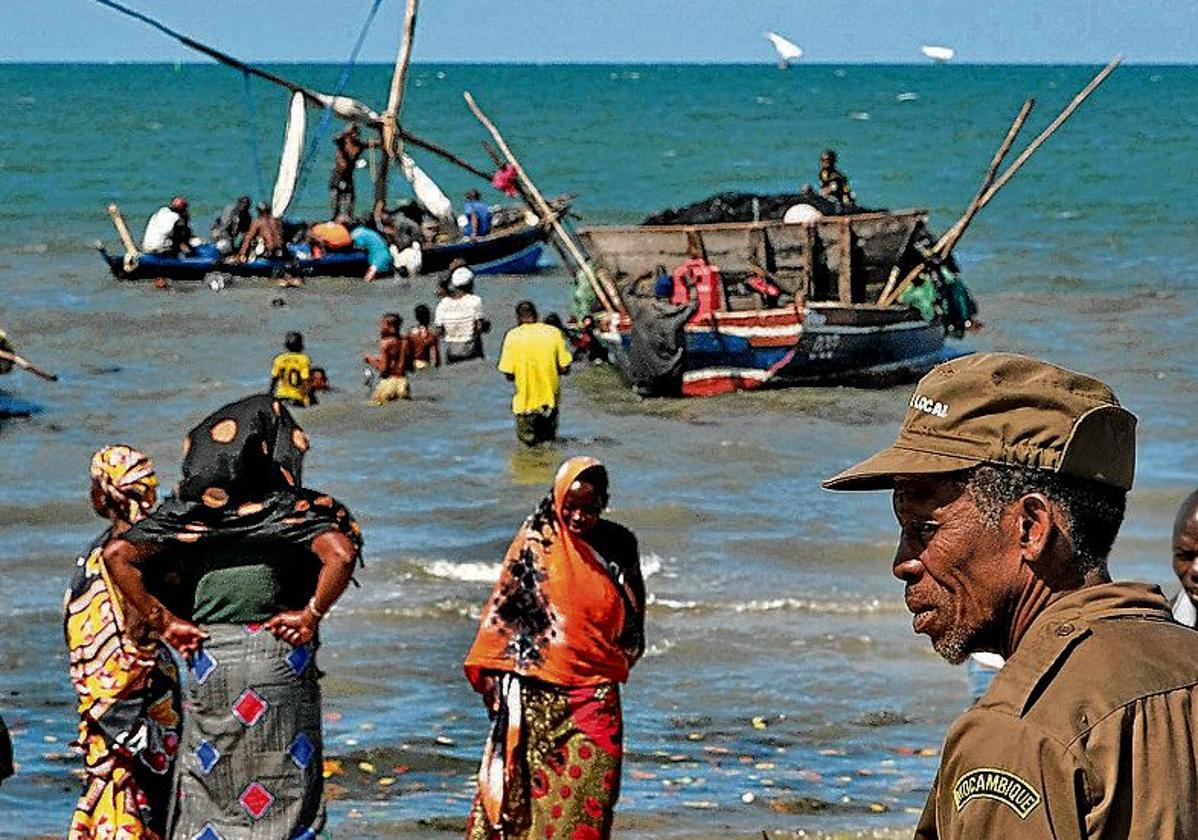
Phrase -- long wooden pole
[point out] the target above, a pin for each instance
(122, 230)
(25, 364)
(540, 206)
(1007, 175)
(954, 233)
(390, 137)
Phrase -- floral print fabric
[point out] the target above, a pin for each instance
(565, 777)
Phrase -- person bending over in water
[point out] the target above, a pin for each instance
(392, 362)
(265, 229)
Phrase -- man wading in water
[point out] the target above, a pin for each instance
(1010, 478)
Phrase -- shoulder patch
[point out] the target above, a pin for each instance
(999, 785)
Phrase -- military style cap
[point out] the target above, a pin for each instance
(1001, 408)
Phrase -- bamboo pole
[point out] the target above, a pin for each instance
(945, 245)
(540, 206)
(25, 364)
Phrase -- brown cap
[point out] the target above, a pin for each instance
(1000, 408)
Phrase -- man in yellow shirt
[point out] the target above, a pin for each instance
(534, 357)
(291, 371)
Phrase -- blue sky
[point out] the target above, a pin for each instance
(1089, 31)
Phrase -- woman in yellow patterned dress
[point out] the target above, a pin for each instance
(128, 685)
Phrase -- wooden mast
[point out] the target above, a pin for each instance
(390, 136)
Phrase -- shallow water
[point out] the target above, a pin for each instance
(771, 598)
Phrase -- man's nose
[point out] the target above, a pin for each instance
(906, 565)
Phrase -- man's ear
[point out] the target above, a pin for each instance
(1037, 526)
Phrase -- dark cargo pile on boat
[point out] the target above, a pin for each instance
(738, 207)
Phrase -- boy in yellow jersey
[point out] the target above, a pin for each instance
(291, 371)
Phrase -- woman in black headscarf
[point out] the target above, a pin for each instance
(254, 561)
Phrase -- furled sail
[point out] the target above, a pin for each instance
(347, 108)
(428, 194)
(788, 51)
(293, 154)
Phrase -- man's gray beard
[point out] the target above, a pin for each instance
(956, 645)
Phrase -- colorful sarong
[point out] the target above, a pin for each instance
(559, 751)
(128, 712)
(250, 767)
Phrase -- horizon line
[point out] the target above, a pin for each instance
(599, 63)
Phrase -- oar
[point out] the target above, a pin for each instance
(993, 189)
(25, 364)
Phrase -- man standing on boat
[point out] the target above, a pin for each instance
(350, 146)
(1010, 480)
(833, 183)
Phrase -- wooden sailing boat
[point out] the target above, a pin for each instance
(511, 249)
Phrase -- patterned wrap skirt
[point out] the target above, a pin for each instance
(250, 765)
(566, 777)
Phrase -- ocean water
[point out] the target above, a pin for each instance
(771, 599)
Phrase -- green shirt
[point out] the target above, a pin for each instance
(236, 584)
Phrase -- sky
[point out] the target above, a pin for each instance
(617, 31)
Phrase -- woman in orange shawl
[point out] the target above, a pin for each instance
(557, 637)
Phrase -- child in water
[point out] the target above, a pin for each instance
(291, 372)
(423, 342)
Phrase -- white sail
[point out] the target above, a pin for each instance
(940, 54)
(293, 153)
(428, 194)
(788, 51)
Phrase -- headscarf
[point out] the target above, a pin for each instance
(242, 479)
(127, 479)
(559, 610)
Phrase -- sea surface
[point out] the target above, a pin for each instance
(783, 689)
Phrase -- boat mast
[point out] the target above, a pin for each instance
(389, 133)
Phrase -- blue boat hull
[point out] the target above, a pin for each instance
(517, 252)
(824, 354)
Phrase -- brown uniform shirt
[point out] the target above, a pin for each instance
(1089, 731)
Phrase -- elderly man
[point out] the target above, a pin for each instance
(1185, 561)
(1010, 477)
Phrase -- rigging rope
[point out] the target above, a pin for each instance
(252, 129)
(326, 118)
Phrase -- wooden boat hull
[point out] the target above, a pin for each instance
(785, 347)
(513, 252)
(837, 264)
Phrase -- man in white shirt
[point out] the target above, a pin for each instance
(1185, 561)
(169, 230)
(460, 319)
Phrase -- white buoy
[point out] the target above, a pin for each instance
(788, 51)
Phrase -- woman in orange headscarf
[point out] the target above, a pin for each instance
(557, 637)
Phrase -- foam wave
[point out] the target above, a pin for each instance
(468, 572)
(869, 606)
(651, 564)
